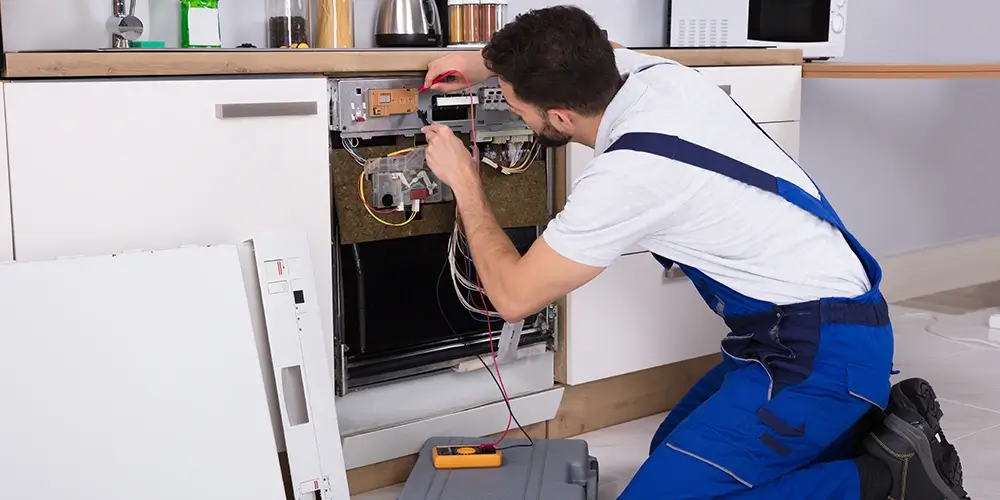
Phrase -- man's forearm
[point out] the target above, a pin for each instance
(494, 254)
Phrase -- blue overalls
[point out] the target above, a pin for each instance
(771, 421)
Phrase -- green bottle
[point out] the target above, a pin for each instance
(200, 24)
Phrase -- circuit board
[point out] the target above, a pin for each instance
(404, 181)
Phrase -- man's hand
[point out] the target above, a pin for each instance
(449, 159)
(468, 63)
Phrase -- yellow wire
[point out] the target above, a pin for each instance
(401, 151)
(527, 160)
(364, 202)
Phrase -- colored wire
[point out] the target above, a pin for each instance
(478, 286)
(496, 366)
(529, 159)
(350, 145)
(371, 211)
(402, 151)
(510, 411)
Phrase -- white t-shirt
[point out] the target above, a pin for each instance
(747, 239)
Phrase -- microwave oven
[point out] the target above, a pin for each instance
(818, 27)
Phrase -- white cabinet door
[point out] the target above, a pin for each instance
(6, 231)
(766, 93)
(99, 166)
(577, 158)
(631, 318)
(786, 134)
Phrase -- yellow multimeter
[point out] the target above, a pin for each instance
(466, 457)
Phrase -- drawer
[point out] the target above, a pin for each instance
(633, 317)
(766, 93)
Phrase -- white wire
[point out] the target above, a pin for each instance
(459, 280)
(350, 146)
(929, 328)
(514, 152)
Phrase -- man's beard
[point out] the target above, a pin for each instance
(551, 138)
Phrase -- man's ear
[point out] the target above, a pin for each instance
(562, 119)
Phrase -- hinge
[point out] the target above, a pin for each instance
(334, 115)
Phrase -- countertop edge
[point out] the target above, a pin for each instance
(31, 65)
(900, 71)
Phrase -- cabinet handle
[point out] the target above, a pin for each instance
(728, 89)
(266, 109)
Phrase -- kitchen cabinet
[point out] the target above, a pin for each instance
(766, 93)
(634, 316)
(786, 134)
(100, 166)
(6, 232)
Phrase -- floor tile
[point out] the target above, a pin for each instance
(951, 352)
(960, 301)
(611, 491)
(390, 493)
(961, 421)
(979, 459)
(914, 344)
(621, 449)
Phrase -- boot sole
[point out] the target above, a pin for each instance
(922, 448)
(927, 403)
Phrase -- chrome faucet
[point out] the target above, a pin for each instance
(123, 26)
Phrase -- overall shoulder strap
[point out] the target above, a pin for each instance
(677, 149)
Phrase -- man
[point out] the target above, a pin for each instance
(683, 172)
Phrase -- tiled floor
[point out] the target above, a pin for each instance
(942, 338)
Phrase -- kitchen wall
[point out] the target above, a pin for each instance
(910, 164)
(79, 24)
(907, 163)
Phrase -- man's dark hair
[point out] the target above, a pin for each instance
(556, 57)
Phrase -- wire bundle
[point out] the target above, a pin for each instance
(463, 283)
(351, 146)
(515, 158)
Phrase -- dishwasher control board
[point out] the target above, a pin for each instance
(372, 107)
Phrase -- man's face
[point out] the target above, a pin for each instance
(548, 134)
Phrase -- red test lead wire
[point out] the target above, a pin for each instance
(482, 296)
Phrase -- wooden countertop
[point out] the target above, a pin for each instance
(137, 62)
(899, 71)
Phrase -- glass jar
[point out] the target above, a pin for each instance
(492, 18)
(288, 24)
(474, 22)
(334, 25)
(456, 33)
(470, 21)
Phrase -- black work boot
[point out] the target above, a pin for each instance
(922, 463)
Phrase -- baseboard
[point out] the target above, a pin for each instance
(604, 403)
(936, 270)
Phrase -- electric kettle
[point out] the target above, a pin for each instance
(408, 23)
